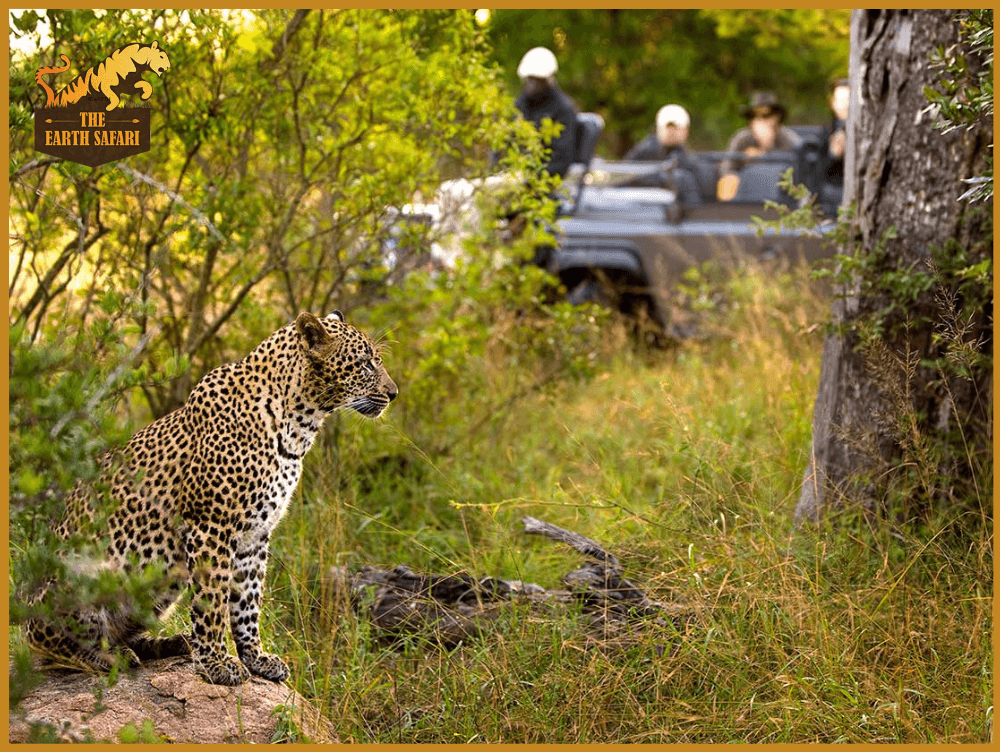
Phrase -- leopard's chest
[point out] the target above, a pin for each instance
(265, 508)
(256, 446)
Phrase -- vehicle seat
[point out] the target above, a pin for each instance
(706, 177)
(588, 129)
(759, 183)
(810, 162)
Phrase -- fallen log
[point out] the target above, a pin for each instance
(451, 608)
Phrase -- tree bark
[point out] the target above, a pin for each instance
(900, 172)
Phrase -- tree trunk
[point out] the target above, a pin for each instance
(881, 405)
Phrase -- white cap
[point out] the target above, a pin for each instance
(538, 62)
(672, 113)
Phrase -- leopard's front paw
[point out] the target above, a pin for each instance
(224, 669)
(267, 666)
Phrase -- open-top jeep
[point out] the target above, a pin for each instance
(628, 246)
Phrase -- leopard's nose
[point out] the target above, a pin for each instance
(392, 393)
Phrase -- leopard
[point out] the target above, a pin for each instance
(119, 71)
(198, 493)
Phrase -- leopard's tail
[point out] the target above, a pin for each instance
(50, 96)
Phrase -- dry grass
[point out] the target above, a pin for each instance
(687, 464)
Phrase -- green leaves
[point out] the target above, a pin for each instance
(965, 97)
(25, 22)
(281, 141)
(285, 146)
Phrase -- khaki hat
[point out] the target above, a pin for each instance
(763, 103)
(672, 113)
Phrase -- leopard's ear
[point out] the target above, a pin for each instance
(155, 44)
(336, 316)
(311, 330)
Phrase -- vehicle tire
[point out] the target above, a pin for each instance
(646, 330)
(592, 290)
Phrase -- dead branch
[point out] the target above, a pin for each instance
(451, 608)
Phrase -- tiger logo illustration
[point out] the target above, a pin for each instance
(119, 73)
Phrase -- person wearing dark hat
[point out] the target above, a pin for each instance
(764, 133)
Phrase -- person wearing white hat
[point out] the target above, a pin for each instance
(672, 127)
(541, 98)
(667, 145)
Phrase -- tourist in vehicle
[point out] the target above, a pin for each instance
(678, 167)
(764, 133)
(835, 132)
(672, 126)
(541, 98)
(833, 144)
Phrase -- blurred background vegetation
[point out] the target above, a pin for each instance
(284, 145)
(626, 64)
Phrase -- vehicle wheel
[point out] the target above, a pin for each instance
(591, 290)
(645, 328)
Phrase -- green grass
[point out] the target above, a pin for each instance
(687, 465)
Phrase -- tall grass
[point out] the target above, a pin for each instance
(687, 465)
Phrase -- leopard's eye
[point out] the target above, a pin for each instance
(369, 365)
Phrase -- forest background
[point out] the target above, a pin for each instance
(285, 143)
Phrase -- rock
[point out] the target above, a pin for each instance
(171, 701)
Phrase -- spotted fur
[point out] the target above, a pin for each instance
(199, 492)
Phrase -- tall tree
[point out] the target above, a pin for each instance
(903, 417)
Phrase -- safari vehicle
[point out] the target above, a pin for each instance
(627, 247)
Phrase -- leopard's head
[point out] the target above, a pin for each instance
(343, 366)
